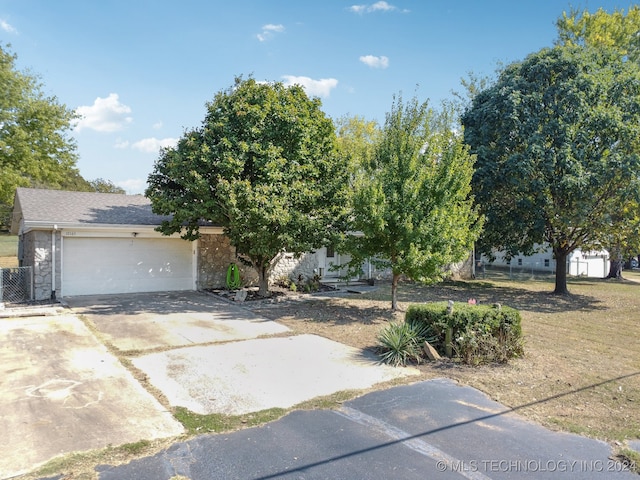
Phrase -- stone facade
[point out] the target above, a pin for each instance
(215, 254)
(294, 268)
(36, 251)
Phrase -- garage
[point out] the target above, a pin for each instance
(93, 265)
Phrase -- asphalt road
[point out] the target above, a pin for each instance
(432, 429)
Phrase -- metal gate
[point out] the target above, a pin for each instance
(16, 284)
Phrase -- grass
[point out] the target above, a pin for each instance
(8, 245)
(216, 423)
(8, 250)
(80, 465)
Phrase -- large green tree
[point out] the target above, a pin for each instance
(411, 208)
(618, 31)
(35, 146)
(556, 138)
(263, 166)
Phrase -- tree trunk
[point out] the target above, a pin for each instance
(615, 269)
(615, 262)
(561, 272)
(263, 281)
(394, 291)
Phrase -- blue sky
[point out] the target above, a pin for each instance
(141, 71)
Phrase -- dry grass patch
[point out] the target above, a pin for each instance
(8, 250)
(581, 369)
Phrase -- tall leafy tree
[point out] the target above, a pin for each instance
(617, 31)
(556, 138)
(35, 146)
(263, 166)
(356, 138)
(411, 208)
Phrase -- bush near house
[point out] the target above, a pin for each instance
(478, 333)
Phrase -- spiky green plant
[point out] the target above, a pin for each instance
(400, 343)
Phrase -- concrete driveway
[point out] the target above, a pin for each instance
(61, 390)
(148, 321)
(212, 356)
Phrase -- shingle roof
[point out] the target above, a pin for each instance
(58, 206)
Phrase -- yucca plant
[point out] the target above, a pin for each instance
(399, 343)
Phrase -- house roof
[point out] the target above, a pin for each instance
(58, 207)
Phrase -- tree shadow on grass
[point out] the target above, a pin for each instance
(375, 307)
(331, 312)
(520, 298)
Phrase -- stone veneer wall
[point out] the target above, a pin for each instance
(305, 266)
(215, 254)
(36, 252)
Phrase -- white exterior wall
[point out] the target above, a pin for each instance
(589, 264)
(594, 264)
(541, 261)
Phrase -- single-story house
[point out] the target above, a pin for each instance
(87, 243)
(84, 243)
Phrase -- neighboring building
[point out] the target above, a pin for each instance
(593, 264)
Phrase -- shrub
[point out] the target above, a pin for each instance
(400, 343)
(479, 333)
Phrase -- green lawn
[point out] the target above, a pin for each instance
(8, 245)
(8, 250)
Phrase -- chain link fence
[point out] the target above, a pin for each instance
(16, 285)
(525, 271)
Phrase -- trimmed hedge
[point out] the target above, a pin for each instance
(479, 333)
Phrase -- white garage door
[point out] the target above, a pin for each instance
(124, 265)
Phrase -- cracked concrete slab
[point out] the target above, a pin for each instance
(61, 391)
(253, 375)
(169, 319)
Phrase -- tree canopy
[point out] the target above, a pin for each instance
(35, 148)
(411, 207)
(263, 166)
(617, 31)
(556, 139)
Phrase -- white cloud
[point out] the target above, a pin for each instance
(269, 30)
(4, 25)
(105, 115)
(375, 62)
(381, 6)
(133, 186)
(157, 125)
(153, 145)
(319, 88)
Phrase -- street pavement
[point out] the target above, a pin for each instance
(432, 429)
